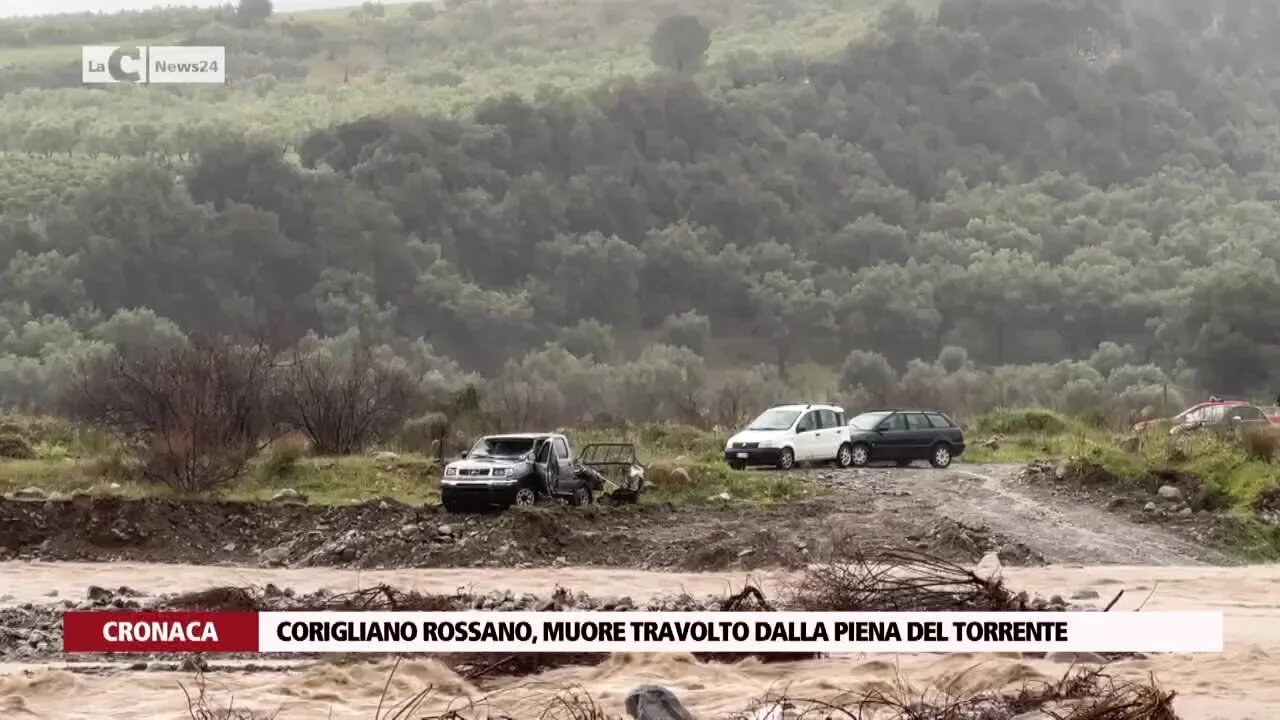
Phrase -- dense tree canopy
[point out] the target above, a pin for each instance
(1086, 189)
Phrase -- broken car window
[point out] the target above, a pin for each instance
(501, 447)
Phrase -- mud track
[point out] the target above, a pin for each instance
(1062, 526)
(960, 514)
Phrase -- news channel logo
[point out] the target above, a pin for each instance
(154, 64)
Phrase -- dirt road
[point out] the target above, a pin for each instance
(960, 514)
(1051, 522)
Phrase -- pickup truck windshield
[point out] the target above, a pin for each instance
(503, 447)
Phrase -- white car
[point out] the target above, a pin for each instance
(788, 434)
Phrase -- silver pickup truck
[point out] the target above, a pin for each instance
(526, 468)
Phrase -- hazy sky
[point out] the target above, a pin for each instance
(15, 8)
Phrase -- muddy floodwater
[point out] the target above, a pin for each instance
(1239, 684)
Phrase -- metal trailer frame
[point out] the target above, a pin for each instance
(614, 465)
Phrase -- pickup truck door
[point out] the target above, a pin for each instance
(566, 479)
(544, 458)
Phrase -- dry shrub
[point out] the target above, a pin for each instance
(113, 466)
(534, 403)
(573, 702)
(425, 433)
(663, 476)
(899, 580)
(458, 415)
(283, 456)
(679, 438)
(199, 706)
(343, 401)
(196, 413)
(1261, 443)
(14, 446)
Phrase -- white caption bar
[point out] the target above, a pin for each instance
(876, 632)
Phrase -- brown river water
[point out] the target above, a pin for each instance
(1242, 683)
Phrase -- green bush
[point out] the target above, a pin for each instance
(1021, 422)
(683, 439)
(282, 458)
(15, 447)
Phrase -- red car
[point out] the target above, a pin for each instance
(1272, 413)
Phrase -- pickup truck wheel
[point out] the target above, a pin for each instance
(525, 497)
(786, 459)
(581, 496)
(940, 456)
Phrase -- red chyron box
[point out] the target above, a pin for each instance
(160, 632)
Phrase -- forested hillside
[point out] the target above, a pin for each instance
(1000, 201)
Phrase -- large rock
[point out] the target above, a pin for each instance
(654, 702)
(30, 493)
(1169, 492)
(289, 496)
(989, 567)
(275, 556)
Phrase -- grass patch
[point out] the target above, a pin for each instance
(412, 479)
(686, 466)
(39, 55)
(654, 443)
(325, 481)
(705, 483)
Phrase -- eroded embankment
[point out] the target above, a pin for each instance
(388, 534)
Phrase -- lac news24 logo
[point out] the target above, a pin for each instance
(158, 64)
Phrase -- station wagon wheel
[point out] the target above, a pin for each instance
(525, 497)
(941, 456)
(860, 455)
(581, 496)
(786, 459)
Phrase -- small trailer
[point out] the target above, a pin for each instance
(613, 470)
